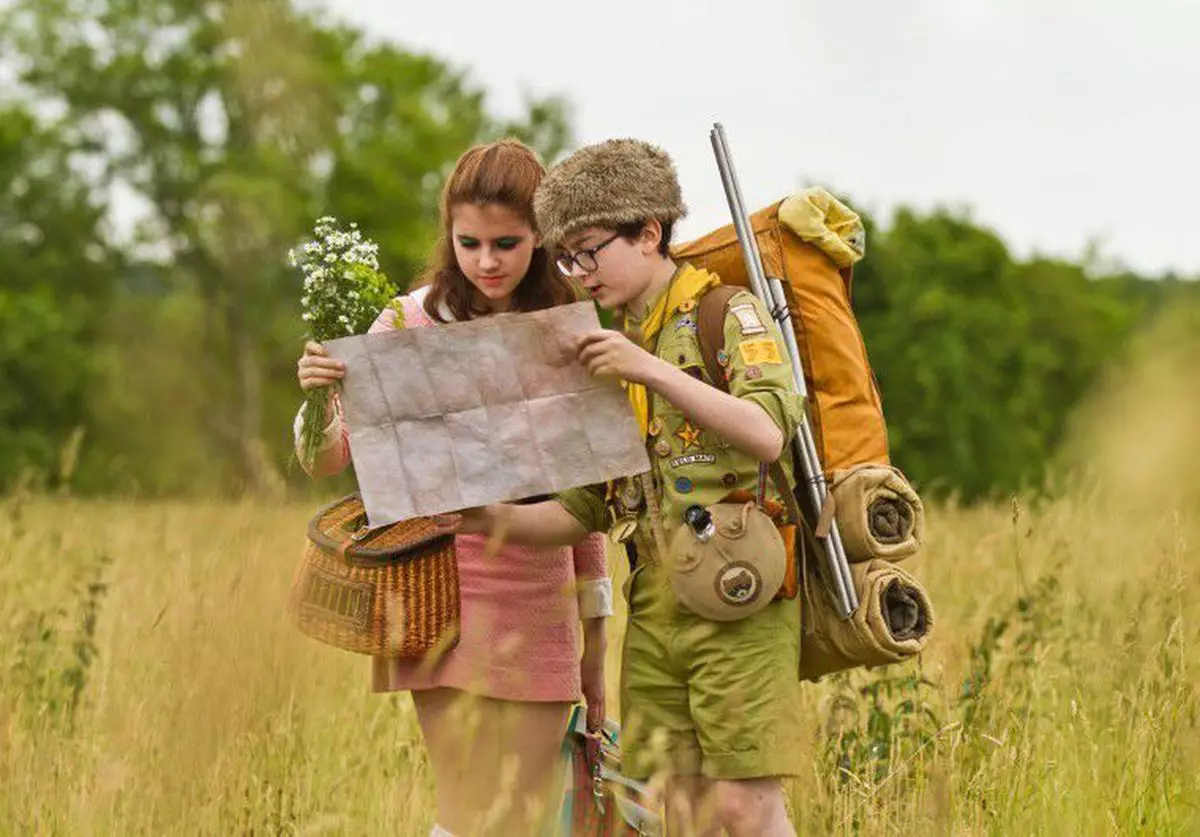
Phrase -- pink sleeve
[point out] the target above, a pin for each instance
(590, 559)
(386, 321)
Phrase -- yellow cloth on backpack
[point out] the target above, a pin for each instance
(825, 222)
(688, 283)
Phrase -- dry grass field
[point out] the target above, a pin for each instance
(151, 684)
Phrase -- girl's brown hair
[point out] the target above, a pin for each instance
(507, 173)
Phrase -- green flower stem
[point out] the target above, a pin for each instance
(316, 419)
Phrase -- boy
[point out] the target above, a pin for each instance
(712, 704)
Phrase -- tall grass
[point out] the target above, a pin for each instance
(150, 683)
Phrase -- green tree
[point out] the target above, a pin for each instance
(53, 295)
(981, 358)
(237, 122)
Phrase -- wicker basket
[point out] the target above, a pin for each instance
(390, 592)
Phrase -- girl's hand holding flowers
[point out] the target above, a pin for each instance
(343, 293)
(317, 369)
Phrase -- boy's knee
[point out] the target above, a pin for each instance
(746, 805)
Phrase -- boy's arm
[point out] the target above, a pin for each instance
(545, 524)
(758, 369)
(764, 409)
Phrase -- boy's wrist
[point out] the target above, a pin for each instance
(482, 520)
(496, 516)
(658, 372)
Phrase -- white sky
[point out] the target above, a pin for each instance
(1056, 121)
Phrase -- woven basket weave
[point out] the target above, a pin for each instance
(390, 592)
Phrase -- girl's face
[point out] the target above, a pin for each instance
(493, 246)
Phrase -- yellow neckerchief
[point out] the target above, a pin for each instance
(688, 283)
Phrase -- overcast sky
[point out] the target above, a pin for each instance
(1056, 121)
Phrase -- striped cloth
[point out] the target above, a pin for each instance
(597, 800)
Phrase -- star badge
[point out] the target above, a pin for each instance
(689, 435)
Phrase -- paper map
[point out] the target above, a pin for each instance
(493, 409)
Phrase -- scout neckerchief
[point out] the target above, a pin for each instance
(688, 283)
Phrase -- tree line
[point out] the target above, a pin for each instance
(158, 358)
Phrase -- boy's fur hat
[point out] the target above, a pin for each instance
(603, 185)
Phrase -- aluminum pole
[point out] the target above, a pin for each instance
(770, 291)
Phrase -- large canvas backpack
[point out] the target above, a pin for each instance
(811, 241)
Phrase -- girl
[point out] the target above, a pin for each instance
(494, 754)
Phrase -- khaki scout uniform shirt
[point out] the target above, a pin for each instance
(690, 465)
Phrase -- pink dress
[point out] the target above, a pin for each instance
(520, 609)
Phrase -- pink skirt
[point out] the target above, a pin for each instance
(520, 629)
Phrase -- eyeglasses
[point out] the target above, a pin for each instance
(585, 259)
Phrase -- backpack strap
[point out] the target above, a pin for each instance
(710, 332)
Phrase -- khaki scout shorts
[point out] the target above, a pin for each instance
(718, 699)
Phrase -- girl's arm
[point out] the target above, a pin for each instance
(593, 585)
(594, 589)
(334, 453)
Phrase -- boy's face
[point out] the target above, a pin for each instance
(624, 268)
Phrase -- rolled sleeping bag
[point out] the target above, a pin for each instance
(878, 513)
(893, 622)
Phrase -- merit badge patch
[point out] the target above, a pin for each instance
(759, 352)
(748, 319)
(693, 459)
(689, 435)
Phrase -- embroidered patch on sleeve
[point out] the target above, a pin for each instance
(748, 319)
(759, 352)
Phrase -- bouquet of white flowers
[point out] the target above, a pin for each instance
(344, 291)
